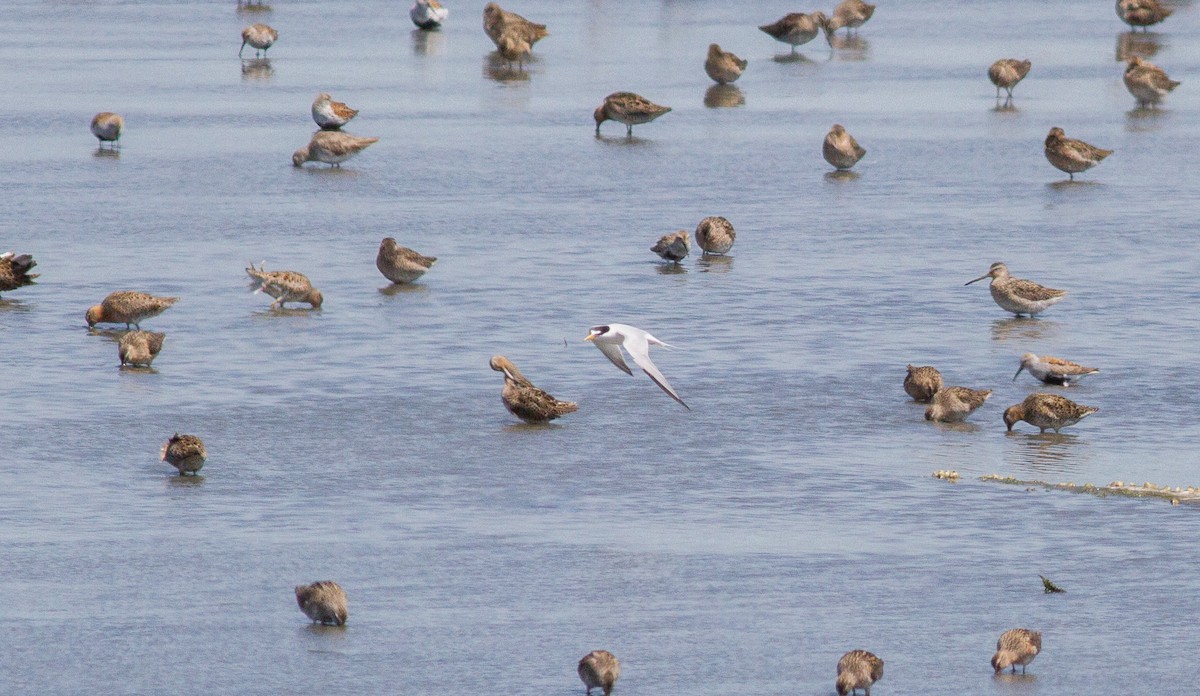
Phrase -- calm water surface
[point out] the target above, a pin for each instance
(740, 547)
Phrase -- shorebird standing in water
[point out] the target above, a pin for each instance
(324, 602)
(599, 668)
(14, 270)
(284, 286)
(1070, 155)
(1018, 295)
(138, 348)
(184, 452)
(260, 37)
(1006, 73)
(841, 149)
(331, 147)
(330, 114)
(107, 127)
(1047, 412)
(921, 383)
(1016, 647)
(1052, 370)
(1142, 13)
(498, 22)
(526, 401)
(428, 14)
(401, 264)
(674, 246)
(851, 14)
(1147, 82)
(129, 308)
(796, 28)
(715, 235)
(858, 669)
(628, 108)
(722, 66)
(954, 404)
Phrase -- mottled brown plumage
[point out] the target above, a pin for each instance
(599, 668)
(1016, 647)
(851, 14)
(628, 108)
(260, 37)
(330, 114)
(1147, 82)
(1007, 72)
(674, 246)
(184, 452)
(921, 383)
(513, 47)
(1053, 370)
(954, 404)
(795, 28)
(1018, 295)
(284, 286)
(107, 127)
(1070, 155)
(1047, 412)
(1142, 13)
(14, 271)
(715, 235)
(401, 264)
(331, 147)
(526, 401)
(841, 149)
(138, 348)
(129, 308)
(324, 602)
(498, 22)
(858, 669)
(723, 66)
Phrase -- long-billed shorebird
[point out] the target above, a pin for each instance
(599, 669)
(330, 114)
(1052, 370)
(628, 108)
(611, 338)
(185, 452)
(138, 348)
(715, 235)
(1006, 73)
(14, 271)
(1016, 647)
(260, 37)
(674, 246)
(795, 28)
(129, 308)
(1047, 412)
(497, 22)
(1070, 155)
(1018, 295)
(851, 14)
(858, 669)
(1142, 13)
(954, 404)
(323, 602)
(840, 149)
(526, 401)
(921, 383)
(428, 14)
(107, 127)
(284, 286)
(331, 147)
(1147, 82)
(722, 66)
(401, 264)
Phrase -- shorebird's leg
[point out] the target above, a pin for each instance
(629, 130)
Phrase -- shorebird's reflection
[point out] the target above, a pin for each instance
(719, 96)
(256, 69)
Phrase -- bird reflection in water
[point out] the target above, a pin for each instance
(255, 69)
(719, 96)
(1047, 453)
(1022, 329)
(1130, 44)
(428, 43)
(850, 48)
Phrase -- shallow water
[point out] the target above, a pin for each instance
(741, 546)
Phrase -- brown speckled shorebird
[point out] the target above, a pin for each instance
(1047, 412)
(184, 452)
(107, 127)
(514, 48)
(1142, 13)
(628, 108)
(921, 383)
(260, 37)
(138, 348)
(715, 235)
(324, 602)
(129, 308)
(722, 66)
(330, 114)
(1053, 370)
(1007, 72)
(1147, 82)
(599, 668)
(401, 264)
(674, 246)
(526, 401)
(954, 404)
(497, 22)
(796, 28)
(841, 149)
(284, 286)
(851, 14)
(1018, 295)
(1070, 155)
(1016, 647)
(14, 271)
(858, 669)
(331, 147)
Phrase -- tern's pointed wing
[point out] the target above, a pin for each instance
(639, 350)
(613, 353)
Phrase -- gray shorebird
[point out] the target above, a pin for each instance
(954, 404)
(599, 669)
(331, 147)
(722, 66)
(107, 127)
(921, 383)
(1070, 155)
(628, 108)
(1047, 412)
(851, 14)
(611, 338)
(674, 246)
(129, 308)
(184, 452)
(330, 114)
(1018, 295)
(795, 28)
(284, 286)
(1147, 82)
(1016, 647)
(715, 235)
(858, 669)
(1052, 370)
(260, 37)
(138, 348)
(1142, 13)
(497, 22)
(14, 271)
(401, 264)
(840, 149)
(323, 602)
(1006, 73)
(526, 401)
(428, 14)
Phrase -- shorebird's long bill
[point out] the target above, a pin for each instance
(1022, 367)
(986, 275)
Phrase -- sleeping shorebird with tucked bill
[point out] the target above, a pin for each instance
(599, 669)
(129, 308)
(498, 22)
(858, 669)
(954, 404)
(138, 348)
(323, 602)
(524, 400)
(1147, 82)
(1016, 647)
(1070, 155)
(1142, 13)
(1052, 370)
(331, 147)
(840, 149)
(715, 235)
(1018, 295)
(184, 452)
(611, 338)
(674, 246)
(401, 264)
(723, 66)
(795, 28)
(851, 14)
(1047, 412)
(284, 286)
(628, 108)
(921, 383)
(1006, 73)
(330, 114)
(260, 37)
(107, 127)
(428, 14)
(14, 271)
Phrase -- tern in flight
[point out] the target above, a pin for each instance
(610, 338)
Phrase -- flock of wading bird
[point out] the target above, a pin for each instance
(514, 37)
